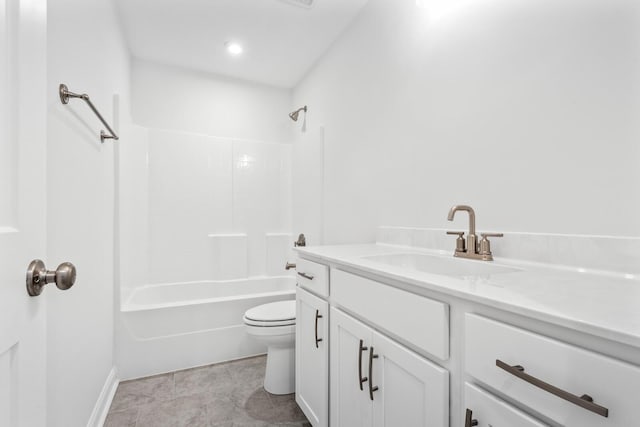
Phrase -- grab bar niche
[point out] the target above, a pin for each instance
(65, 94)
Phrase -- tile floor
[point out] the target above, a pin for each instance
(223, 395)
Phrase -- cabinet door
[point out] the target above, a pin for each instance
(350, 340)
(411, 391)
(312, 357)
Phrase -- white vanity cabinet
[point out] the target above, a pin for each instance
(312, 357)
(408, 350)
(378, 382)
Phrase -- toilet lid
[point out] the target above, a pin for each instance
(280, 312)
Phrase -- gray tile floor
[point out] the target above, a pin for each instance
(222, 395)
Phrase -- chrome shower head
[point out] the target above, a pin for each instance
(294, 115)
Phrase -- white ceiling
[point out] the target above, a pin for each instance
(281, 40)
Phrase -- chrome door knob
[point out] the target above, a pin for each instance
(65, 276)
(37, 276)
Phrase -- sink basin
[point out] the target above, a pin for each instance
(455, 267)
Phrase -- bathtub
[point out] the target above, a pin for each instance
(173, 326)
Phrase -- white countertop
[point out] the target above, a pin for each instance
(600, 304)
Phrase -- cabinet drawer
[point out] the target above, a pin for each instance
(419, 321)
(489, 411)
(313, 276)
(542, 373)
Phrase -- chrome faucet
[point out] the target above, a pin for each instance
(472, 249)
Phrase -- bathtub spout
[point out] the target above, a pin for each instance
(289, 265)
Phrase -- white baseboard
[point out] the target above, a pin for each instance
(101, 409)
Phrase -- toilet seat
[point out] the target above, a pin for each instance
(281, 313)
(261, 324)
(274, 325)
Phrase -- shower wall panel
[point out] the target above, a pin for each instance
(201, 187)
(261, 196)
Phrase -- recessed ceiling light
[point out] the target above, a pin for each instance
(233, 48)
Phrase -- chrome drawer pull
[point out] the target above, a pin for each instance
(372, 388)
(584, 401)
(306, 276)
(361, 379)
(318, 316)
(469, 421)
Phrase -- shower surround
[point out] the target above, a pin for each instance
(199, 209)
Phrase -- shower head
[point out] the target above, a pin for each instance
(294, 115)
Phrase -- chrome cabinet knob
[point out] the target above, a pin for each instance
(37, 276)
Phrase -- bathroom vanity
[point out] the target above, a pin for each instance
(398, 336)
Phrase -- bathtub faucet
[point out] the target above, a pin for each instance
(302, 241)
(289, 265)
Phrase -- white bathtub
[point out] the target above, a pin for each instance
(174, 326)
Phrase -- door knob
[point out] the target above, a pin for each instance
(37, 276)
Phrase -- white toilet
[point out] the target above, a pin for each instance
(275, 325)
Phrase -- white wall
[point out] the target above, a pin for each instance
(165, 97)
(526, 110)
(85, 51)
(308, 184)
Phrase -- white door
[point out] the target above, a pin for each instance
(349, 362)
(411, 391)
(22, 209)
(312, 357)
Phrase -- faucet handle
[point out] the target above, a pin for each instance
(485, 245)
(460, 244)
(485, 235)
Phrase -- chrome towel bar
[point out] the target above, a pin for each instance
(65, 94)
